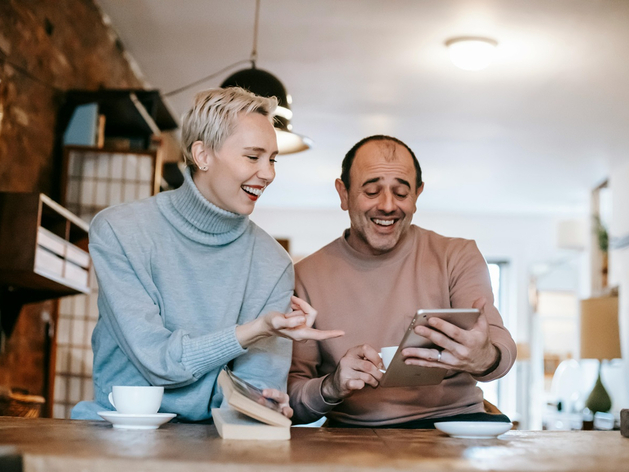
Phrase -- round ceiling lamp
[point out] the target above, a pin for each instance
(265, 84)
(471, 53)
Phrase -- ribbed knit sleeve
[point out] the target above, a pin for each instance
(267, 362)
(128, 305)
(208, 352)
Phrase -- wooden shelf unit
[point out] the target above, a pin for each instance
(43, 247)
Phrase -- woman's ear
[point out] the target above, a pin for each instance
(200, 155)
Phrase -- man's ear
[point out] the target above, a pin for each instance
(343, 194)
(200, 154)
(419, 191)
(417, 194)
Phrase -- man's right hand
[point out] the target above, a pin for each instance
(359, 366)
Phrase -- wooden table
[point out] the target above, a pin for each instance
(64, 445)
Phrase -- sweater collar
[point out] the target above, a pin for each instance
(366, 261)
(198, 218)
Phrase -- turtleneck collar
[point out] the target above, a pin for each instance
(368, 261)
(198, 218)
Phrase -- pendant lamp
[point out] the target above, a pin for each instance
(265, 84)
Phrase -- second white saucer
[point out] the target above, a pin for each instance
(124, 421)
(473, 429)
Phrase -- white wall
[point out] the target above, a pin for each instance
(619, 258)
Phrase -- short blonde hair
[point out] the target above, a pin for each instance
(212, 119)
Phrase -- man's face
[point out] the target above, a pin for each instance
(381, 198)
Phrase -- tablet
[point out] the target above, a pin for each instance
(398, 374)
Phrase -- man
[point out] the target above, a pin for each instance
(370, 282)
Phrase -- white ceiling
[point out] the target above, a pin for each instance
(533, 133)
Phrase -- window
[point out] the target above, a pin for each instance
(497, 273)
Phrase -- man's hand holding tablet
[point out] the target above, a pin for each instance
(435, 342)
(453, 347)
(417, 359)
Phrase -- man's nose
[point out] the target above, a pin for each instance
(386, 202)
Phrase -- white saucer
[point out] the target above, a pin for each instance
(473, 429)
(122, 421)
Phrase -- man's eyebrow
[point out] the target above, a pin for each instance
(404, 182)
(376, 179)
(370, 181)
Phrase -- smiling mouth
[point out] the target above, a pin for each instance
(253, 192)
(384, 223)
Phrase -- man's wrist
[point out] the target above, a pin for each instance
(494, 365)
(327, 390)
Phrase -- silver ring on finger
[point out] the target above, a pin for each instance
(439, 357)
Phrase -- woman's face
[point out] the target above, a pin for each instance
(242, 168)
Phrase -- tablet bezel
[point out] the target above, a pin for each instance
(399, 374)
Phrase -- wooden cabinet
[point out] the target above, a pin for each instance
(43, 247)
(43, 256)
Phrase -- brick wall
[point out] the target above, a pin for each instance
(46, 47)
(23, 364)
(62, 44)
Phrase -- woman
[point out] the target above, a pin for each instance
(187, 283)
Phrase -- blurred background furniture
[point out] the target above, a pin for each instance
(571, 385)
(43, 256)
(19, 404)
(600, 339)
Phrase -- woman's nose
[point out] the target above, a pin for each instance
(267, 172)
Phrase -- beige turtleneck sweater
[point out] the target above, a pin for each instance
(373, 299)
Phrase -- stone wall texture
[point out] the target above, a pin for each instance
(47, 47)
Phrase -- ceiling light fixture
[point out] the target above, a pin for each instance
(471, 53)
(265, 84)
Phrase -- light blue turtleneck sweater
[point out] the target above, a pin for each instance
(176, 274)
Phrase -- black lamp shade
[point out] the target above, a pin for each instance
(265, 84)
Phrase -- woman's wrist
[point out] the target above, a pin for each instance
(252, 331)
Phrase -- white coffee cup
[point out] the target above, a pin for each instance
(387, 353)
(136, 400)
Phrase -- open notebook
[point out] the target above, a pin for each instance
(251, 416)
